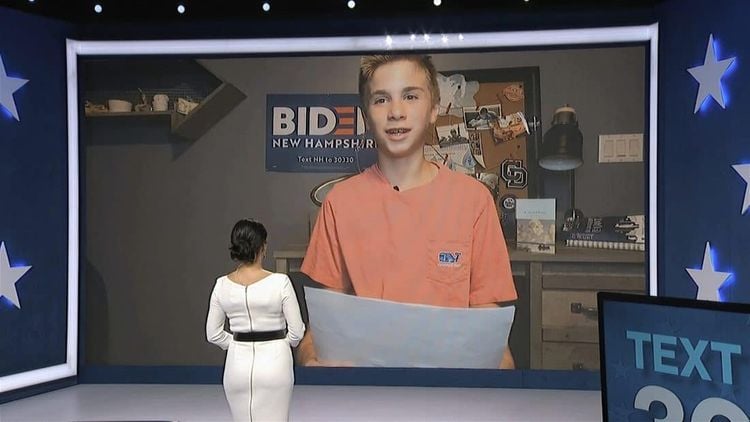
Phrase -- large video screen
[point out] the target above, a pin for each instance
(177, 148)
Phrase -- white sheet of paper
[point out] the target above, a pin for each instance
(372, 332)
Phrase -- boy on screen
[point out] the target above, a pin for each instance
(407, 229)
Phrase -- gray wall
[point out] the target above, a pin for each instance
(159, 210)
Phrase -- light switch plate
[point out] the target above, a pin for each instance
(621, 148)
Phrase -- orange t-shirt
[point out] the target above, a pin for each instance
(437, 244)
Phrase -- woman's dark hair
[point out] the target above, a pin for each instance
(248, 238)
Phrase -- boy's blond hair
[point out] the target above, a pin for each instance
(369, 64)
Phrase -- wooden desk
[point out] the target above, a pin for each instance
(563, 318)
(558, 292)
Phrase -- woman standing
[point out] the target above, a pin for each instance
(265, 320)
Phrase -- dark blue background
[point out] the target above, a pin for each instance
(34, 193)
(700, 195)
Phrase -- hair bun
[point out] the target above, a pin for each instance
(247, 240)
(240, 250)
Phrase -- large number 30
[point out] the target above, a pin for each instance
(704, 411)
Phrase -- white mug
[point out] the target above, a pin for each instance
(161, 102)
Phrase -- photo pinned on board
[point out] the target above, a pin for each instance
(482, 117)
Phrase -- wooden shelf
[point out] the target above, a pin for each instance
(191, 127)
(128, 114)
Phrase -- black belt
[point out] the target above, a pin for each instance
(260, 335)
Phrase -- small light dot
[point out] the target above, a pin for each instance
(426, 37)
(413, 37)
(180, 9)
(437, 2)
(388, 40)
(98, 8)
(266, 6)
(351, 4)
(461, 37)
(31, 1)
(444, 38)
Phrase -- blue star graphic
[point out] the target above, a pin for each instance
(9, 276)
(621, 371)
(708, 280)
(8, 86)
(709, 76)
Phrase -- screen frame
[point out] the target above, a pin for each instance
(438, 43)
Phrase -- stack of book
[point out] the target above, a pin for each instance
(625, 232)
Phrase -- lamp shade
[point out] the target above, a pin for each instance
(562, 148)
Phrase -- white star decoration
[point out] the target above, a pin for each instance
(9, 276)
(709, 76)
(8, 86)
(708, 281)
(744, 171)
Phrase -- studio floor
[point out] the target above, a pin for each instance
(206, 403)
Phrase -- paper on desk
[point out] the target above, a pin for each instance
(373, 332)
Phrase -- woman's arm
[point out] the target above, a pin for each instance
(290, 306)
(215, 322)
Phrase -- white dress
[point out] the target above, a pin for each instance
(258, 376)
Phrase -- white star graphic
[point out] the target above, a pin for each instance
(9, 277)
(744, 171)
(8, 86)
(708, 281)
(709, 76)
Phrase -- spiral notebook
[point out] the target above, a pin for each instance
(602, 244)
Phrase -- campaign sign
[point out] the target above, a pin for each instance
(667, 359)
(315, 133)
